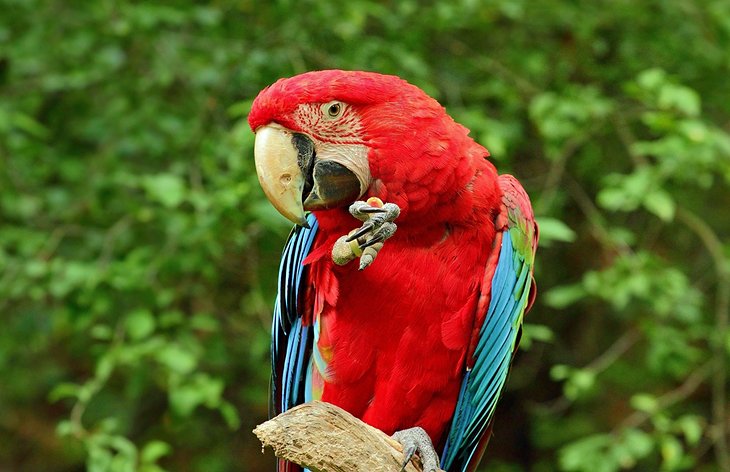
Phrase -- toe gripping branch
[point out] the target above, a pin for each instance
(367, 241)
(416, 441)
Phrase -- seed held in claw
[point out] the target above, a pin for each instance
(366, 241)
(375, 202)
(342, 252)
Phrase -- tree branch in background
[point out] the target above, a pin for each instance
(679, 394)
(715, 247)
(325, 438)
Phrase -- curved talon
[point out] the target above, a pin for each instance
(373, 241)
(385, 231)
(359, 210)
(407, 456)
(372, 210)
(417, 439)
(360, 232)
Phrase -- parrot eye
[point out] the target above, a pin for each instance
(333, 110)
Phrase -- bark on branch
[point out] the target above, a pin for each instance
(325, 438)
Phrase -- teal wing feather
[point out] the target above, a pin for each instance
(507, 293)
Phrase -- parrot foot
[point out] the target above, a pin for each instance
(367, 241)
(417, 440)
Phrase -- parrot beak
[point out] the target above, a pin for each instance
(295, 179)
(280, 176)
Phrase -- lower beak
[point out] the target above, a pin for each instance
(295, 179)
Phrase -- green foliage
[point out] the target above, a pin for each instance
(138, 255)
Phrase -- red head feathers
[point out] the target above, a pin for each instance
(412, 151)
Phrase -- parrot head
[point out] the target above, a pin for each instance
(327, 138)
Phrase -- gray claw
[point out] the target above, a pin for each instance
(417, 440)
(361, 232)
(367, 241)
(359, 210)
(381, 234)
(407, 456)
(363, 211)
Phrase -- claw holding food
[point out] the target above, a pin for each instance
(367, 241)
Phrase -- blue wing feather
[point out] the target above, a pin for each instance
(291, 341)
(483, 384)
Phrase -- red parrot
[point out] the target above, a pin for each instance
(419, 341)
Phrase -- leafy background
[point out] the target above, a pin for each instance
(138, 255)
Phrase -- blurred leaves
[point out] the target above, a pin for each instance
(138, 256)
(603, 452)
(552, 229)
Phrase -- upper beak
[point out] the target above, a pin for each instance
(277, 166)
(294, 178)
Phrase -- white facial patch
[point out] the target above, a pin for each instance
(352, 156)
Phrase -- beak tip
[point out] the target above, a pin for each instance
(304, 223)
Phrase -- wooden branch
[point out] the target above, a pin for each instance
(325, 438)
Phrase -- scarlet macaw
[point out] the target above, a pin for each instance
(424, 336)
